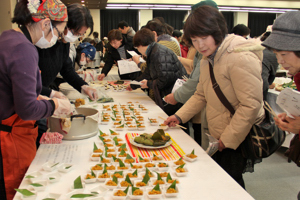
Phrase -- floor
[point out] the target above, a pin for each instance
(274, 179)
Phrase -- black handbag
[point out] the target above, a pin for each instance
(263, 139)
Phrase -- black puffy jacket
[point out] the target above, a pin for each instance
(113, 56)
(162, 66)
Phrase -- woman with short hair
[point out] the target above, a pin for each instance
(236, 65)
(163, 68)
(118, 48)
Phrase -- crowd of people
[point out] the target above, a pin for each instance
(43, 46)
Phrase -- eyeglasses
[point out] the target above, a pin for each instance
(60, 35)
(77, 34)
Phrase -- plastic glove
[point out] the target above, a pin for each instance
(91, 92)
(62, 107)
(42, 97)
(57, 94)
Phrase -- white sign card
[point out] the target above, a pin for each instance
(133, 53)
(126, 66)
(289, 101)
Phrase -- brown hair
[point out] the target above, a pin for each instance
(114, 34)
(205, 21)
(297, 53)
(157, 26)
(143, 37)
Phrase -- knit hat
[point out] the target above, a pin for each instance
(285, 35)
(88, 49)
(53, 9)
(205, 3)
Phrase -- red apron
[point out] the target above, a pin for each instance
(18, 149)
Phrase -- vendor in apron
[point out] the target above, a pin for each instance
(40, 22)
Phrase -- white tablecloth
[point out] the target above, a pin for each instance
(205, 179)
(113, 74)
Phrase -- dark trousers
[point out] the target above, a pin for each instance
(233, 162)
(197, 133)
(2, 185)
(42, 128)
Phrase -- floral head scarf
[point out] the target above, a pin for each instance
(53, 9)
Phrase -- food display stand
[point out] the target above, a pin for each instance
(204, 178)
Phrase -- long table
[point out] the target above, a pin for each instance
(205, 179)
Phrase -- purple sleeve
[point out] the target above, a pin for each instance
(26, 84)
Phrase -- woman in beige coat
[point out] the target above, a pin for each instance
(237, 68)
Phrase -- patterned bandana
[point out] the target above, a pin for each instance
(53, 9)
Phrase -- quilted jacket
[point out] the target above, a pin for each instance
(163, 66)
(237, 69)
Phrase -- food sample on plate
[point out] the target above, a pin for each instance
(149, 165)
(163, 126)
(79, 102)
(148, 173)
(90, 176)
(132, 175)
(105, 175)
(117, 123)
(120, 149)
(180, 169)
(110, 150)
(179, 162)
(163, 174)
(104, 160)
(160, 182)
(140, 118)
(140, 184)
(97, 167)
(118, 174)
(127, 182)
(141, 159)
(122, 166)
(136, 166)
(140, 127)
(110, 155)
(137, 191)
(157, 139)
(171, 190)
(170, 180)
(154, 192)
(129, 159)
(103, 134)
(156, 158)
(291, 85)
(108, 145)
(96, 149)
(120, 193)
(192, 155)
(163, 165)
(113, 132)
(111, 183)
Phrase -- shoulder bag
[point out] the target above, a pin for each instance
(263, 139)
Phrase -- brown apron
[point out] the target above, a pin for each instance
(18, 149)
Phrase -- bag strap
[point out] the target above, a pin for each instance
(219, 92)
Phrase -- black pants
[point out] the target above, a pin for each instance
(233, 162)
(42, 128)
(197, 133)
